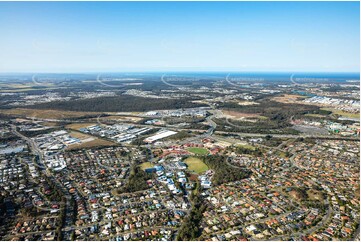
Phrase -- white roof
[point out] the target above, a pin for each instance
(160, 135)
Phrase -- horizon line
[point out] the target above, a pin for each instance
(176, 71)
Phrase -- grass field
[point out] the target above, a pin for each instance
(198, 151)
(79, 125)
(196, 165)
(80, 136)
(288, 98)
(342, 113)
(94, 143)
(88, 141)
(146, 165)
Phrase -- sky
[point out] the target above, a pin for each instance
(179, 36)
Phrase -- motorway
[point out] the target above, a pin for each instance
(213, 125)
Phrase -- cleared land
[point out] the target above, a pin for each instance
(198, 151)
(243, 116)
(238, 115)
(79, 125)
(94, 143)
(196, 165)
(247, 103)
(289, 98)
(87, 141)
(81, 136)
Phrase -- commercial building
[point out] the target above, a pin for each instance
(160, 135)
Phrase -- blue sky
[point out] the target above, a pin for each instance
(181, 36)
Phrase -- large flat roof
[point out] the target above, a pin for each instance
(160, 135)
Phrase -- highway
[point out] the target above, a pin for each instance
(213, 125)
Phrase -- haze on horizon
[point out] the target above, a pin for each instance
(179, 36)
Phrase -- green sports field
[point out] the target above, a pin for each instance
(196, 165)
(198, 151)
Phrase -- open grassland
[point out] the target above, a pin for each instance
(46, 114)
(289, 98)
(146, 165)
(342, 113)
(88, 141)
(198, 151)
(196, 165)
(78, 126)
(91, 144)
(81, 136)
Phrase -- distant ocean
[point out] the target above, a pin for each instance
(264, 76)
(298, 77)
(280, 76)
